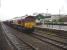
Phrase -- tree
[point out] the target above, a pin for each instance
(60, 20)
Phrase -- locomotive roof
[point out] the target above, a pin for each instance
(30, 17)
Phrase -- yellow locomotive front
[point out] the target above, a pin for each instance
(29, 23)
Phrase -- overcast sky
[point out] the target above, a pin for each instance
(12, 8)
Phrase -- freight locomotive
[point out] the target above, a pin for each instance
(26, 25)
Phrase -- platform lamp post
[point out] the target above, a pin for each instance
(47, 15)
(46, 12)
(59, 13)
(59, 18)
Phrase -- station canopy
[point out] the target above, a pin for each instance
(40, 16)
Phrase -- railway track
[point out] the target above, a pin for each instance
(51, 41)
(52, 33)
(15, 42)
(52, 36)
(4, 41)
(34, 42)
(36, 36)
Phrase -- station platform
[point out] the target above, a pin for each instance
(56, 27)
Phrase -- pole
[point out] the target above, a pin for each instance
(59, 12)
(46, 15)
(46, 12)
(59, 18)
